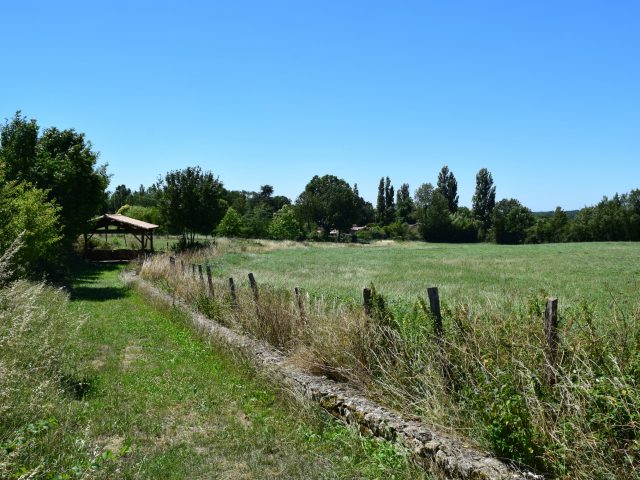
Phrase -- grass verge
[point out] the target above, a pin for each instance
(118, 388)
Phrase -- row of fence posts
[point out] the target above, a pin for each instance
(550, 326)
(232, 286)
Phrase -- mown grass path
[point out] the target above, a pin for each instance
(160, 403)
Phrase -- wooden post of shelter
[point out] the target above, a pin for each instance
(551, 335)
(141, 231)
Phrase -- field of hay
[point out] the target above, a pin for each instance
(600, 273)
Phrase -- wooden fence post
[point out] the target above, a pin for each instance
(254, 286)
(232, 289)
(172, 263)
(366, 296)
(182, 266)
(551, 334)
(434, 306)
(200, 273)
(303, 317)
(193, 269)
(210, 281)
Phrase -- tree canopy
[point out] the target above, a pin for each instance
(484, 198)
(448, 187)
(191, 201)
(60, 162)
(329, 202)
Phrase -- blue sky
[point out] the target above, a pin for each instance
(545, 94)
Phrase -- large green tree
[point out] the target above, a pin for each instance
(484, 198)
(231, 224)
(285, 225)
(191, 201)
(435, 219)
(61, 162)
(404, 204)
(389, 203)
(329, 202)
(381, 205)
(511, 221)
(448, 187)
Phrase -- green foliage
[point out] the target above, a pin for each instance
(423, 196)
(231, 224)
(484, 199)
(398, 231)
(551, 229)
(511, 220)
(464, 226)
(329, 202)
(62, 163)
(255, 223)
(285, 225)
(380, 311)
(448, 187)
(507, 420)
(26, 211)
(612, 219)
(434, 220)
(404, 205)
(146, 214)
(380, 203)
(191, 201)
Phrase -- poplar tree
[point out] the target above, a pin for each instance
(448, 186)
(390, 207)
(380, 204)
(484, 199)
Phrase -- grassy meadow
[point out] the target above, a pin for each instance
(600, 273)
(573, 413)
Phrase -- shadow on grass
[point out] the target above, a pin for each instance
(86, 284)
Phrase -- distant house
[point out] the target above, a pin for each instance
(356, 228)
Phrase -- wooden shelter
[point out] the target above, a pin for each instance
(142, 231)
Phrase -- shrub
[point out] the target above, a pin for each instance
(285, 225)
(26, 210)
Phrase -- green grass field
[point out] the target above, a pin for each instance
(594, 272)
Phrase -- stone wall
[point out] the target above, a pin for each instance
(445, 456)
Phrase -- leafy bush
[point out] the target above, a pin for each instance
(231, 224)
(285, 225)
(26, 210)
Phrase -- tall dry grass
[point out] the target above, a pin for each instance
(35, 330)
(586, 424)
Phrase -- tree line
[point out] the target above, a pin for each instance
(51, 186)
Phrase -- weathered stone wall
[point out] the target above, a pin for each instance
(443, 455)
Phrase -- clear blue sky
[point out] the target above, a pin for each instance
(545, 94)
